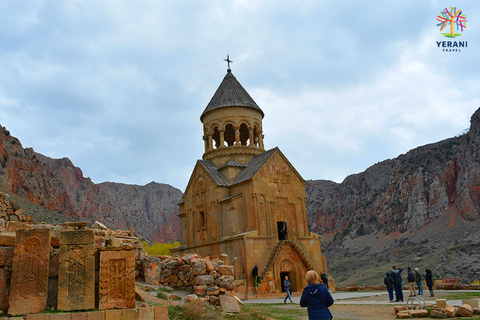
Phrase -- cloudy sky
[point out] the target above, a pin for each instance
(118, 86)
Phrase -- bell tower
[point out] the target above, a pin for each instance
(232, 124)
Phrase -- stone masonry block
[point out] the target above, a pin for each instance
(441, 303)
(38, 316)
(6, 256)
(129, 314)
(60, 316)
(161, 312)
(96, 315)
(113, 314)
(79, 316)
(146, 314)
(471, 302)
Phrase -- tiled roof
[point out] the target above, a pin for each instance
(253, 166)
(230, 93)
(232, 163)
(213, 172)
(246, 174)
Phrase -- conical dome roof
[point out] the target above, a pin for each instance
(230, 93)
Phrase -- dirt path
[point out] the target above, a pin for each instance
(363, 312)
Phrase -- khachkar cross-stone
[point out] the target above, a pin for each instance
(76, 270)
(117, 279)
(228, 62)
(29, 281)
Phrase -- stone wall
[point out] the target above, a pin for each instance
(209, 277)
(63, 264)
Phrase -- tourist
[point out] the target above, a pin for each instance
(397, 279)
(418, 280)
(388, 281)
(324, 278)
(411, 282)
(429, 280)
(286, 285)
(255, 275)
(283, 231)
(316, 298)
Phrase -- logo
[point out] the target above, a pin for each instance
(452, 18)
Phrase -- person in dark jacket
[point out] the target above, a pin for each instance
(397, 279)
(324, 278)
(316, 298)
(255, 275)
(388, 281)
(411, 282)
(287, 286)
(429, 280)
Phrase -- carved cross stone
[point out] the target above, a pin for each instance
(280, 179)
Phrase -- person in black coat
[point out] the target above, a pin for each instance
(397, 279)
(388, 281)
(316, 298)
(255, 275)
(429, 280)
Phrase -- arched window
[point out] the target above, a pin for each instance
(256, 132)
(244, 135)
(229, 135)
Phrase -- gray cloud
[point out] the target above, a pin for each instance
(118, 87)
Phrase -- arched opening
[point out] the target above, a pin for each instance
(229, 135)
(287, 269)
(256, 132)
(216, 137)
(244, 135)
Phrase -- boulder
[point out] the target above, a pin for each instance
(198, 268)
(204, 279)
(465, 310)
(229, 304)
(419, 313)
(225, 270)
(450, 311)
(152, 268)
(200, 290)
(438, 314)
(227, 283)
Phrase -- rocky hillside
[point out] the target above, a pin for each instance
(395, 201)
(56, 184)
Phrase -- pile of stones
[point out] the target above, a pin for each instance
(209, 277)
(11, 211)
(440, 310)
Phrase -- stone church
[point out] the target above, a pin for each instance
(245, 201)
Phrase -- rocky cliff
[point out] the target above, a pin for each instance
(401, 199)
(56, 184)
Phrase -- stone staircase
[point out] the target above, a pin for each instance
(274, 254)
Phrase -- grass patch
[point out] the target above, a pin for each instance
(462, 295)
(279, 311)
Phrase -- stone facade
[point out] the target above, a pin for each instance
(240, 196)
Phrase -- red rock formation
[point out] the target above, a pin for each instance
(56, 184)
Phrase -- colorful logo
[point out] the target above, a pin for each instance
(452, 18)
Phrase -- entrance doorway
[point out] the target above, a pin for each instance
(282, 230)
(282, 277)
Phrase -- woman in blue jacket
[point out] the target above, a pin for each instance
(316, 298)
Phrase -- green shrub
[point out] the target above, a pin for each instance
(161, 249)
